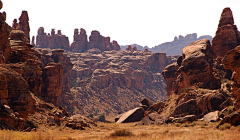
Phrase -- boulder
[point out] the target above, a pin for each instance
(188, 107)
(156, 107)
(152, 118)
(133, 115)
(146, 102)
(187, 118)
(211, 116)
(233, 119)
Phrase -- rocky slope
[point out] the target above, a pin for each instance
(114, 81)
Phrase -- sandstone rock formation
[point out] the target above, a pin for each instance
(59, 57)
(4, 34)
(195, 67)
(23, 24)
(231, 61)
(53, 41)
(80, 43)
(227, 36)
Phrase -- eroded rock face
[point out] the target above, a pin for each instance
(59, 57)
(227, 36)
(4, 34)
(23, 24)
(53, 41)
(52, 82)
(195, 67)
(231, 61)
(80, 43)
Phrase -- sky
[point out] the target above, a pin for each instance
(144, 22)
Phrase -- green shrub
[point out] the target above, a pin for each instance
(230, 109)
(122, 133)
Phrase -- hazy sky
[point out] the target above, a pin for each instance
(144, 22)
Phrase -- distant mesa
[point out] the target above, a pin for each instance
(96, 40)
(174, 47)
(53, 41)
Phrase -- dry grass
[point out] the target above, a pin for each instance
(197, 131)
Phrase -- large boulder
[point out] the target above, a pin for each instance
(211, 116)
(133, 115)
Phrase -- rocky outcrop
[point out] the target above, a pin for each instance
(194, 67)
(231, 61)
(227, 36)
(23, 24)
(80, 43)
(4, 35)
(59, 57)
(52, 82)
(53, 41)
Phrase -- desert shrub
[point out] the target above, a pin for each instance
(101, 118)
(225, 126)
(90, 115)
(122, 133)
(230, 109)
(185, 125)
